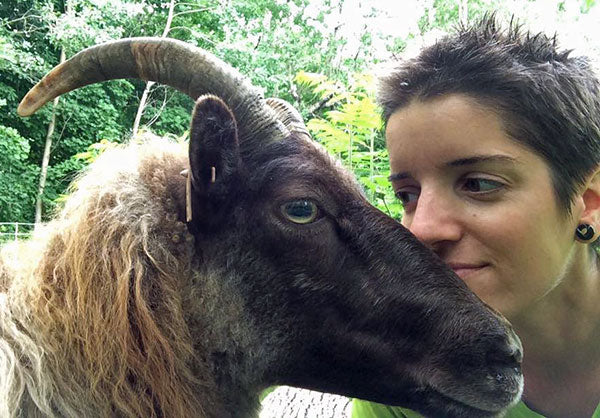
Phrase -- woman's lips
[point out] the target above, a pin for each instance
(463, 270)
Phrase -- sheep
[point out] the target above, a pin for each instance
(183, 282)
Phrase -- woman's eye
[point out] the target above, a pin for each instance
(481, 185)
(300, 211)
(406, 197)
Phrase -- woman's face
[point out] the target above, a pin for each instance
(484, 203)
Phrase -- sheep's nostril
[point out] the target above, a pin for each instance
(506, 356)
(504, 361)
(518, 354)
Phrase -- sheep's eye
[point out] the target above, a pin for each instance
(300, 211)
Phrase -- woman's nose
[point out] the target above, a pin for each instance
(434, 221)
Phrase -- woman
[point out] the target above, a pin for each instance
(494, 143)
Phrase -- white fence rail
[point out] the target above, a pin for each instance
(13, 231)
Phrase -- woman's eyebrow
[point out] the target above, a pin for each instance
(475, 159)
(398, 176)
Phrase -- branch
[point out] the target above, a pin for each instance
(187, 12)
(320, 104)
(46, 156)
(24, 17)
(195, 33)
(184, 3)
(142, 105)
(160, 110)
(294, 91)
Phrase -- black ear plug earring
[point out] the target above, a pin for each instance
(585, 233)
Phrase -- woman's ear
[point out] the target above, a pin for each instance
(590, 202)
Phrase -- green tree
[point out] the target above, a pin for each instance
(16, 197)
(36, 32)
(352, 131)
(269, 40)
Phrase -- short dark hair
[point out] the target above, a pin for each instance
(546, 99)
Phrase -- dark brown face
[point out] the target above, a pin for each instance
(348, 301)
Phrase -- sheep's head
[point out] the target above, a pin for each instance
(326, 292)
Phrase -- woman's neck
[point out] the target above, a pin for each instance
(561, 342)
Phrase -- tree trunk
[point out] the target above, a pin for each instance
(292, 402)
(46, 157)
(149, 84)
(463, 12)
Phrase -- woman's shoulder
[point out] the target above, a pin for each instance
(365, 409)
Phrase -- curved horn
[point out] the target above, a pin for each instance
(288, 115)
(168, 61)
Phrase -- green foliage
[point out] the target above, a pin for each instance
(62, 175)
(168, 111)
(16, 197)
(443, 14)
(352, 131)
(7, 52)
(269, 40)
(93, 151)
(586, 5)
(31, 37)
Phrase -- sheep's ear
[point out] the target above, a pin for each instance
(214, 163)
